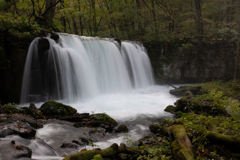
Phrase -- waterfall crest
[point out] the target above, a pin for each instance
(77, 68)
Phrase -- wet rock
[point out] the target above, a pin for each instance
(54, 37)
(96, 135)
(28, 119)
(81, 141)
(22, 129)
(170, 109)
(98, 120)
(102, 120)
(75, 117)
(183, 89)
(122, 129)
(12, 151)
(43, 45)
(69, 145)
(51, 108)
(6, 132)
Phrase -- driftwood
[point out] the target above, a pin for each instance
(109, 152)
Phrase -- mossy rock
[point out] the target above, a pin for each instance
(154, 128)
(170, 109)
(122, 129)
(51, 108)
(102, 118)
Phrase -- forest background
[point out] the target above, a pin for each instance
(165, 27)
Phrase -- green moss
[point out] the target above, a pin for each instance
(103, 118)
(55, 108)
(170, 109)
(155, 128)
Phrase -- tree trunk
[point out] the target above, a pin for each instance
(154, 17)
(94, 17)
(140, 28)
(199, 22)
(80, 18)
(64, 23)
(75, 28)
(50, 11)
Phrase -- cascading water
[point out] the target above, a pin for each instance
(81, 67)
(92, 75)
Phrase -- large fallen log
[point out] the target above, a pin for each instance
(109, 152)
(221, 139)
(181, 146)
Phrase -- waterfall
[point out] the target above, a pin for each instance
(76, 68)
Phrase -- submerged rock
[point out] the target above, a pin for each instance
(51, 108)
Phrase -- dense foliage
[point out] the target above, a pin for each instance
(128, 19)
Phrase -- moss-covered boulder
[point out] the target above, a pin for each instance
(122, 129)
(51, 108)
(154, 128)
(170, 109)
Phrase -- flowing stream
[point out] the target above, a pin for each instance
(93, 75)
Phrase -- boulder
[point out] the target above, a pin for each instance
(98, 120)
(122, 129)
(54, 37)
(53, 108)
(170, 109)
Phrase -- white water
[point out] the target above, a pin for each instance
(80, 68)
(95, 75)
